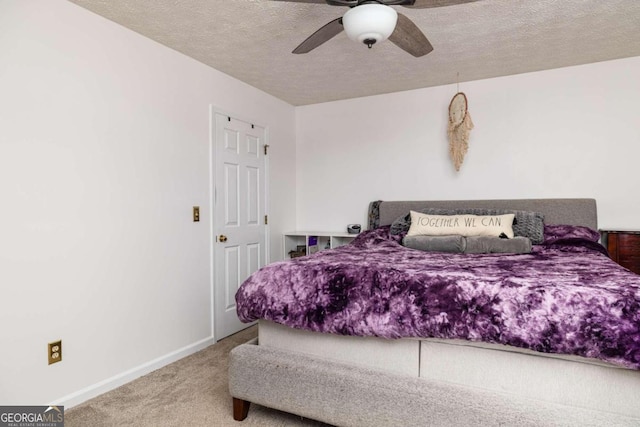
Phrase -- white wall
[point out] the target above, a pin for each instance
(104, 149)
(572, 132)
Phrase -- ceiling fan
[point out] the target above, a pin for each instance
(372, 21)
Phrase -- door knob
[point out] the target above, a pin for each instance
(222, 238)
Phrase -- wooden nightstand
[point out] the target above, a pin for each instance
(624, 247)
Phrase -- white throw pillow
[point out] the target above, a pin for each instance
(463, 225)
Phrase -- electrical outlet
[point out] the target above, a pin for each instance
(196, 213)
(55, 352)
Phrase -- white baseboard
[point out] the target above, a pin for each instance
(116, 381)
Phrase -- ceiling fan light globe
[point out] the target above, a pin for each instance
(370, 22)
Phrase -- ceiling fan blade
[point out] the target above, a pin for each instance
(408, 37)
(424, 4)
(324, 34)
(329, 2)
(302, 1)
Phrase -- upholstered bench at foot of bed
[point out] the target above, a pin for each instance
(348, 395)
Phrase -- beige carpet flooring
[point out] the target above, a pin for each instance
(190, 392)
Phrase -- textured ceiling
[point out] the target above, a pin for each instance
(252, 41)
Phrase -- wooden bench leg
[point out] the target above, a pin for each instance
(240, 409)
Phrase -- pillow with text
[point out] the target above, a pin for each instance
(463, 225)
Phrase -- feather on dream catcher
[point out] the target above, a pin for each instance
(460, 125)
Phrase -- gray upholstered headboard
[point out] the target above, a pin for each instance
(556, 211)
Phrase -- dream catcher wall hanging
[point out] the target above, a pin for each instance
(458, 131)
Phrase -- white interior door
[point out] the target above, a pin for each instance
(239, 214)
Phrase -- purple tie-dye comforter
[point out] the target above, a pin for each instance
(565, 297)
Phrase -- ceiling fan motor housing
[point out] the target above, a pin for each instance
(370, 23)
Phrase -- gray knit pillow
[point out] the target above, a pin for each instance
(455, 244)
(526, 223)
(496, 245)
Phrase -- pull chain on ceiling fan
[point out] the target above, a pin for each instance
(373, 21)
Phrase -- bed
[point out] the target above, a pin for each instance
(571, 358)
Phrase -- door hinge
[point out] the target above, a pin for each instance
(266, 219)
(266, 148)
